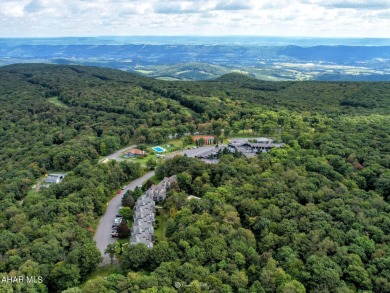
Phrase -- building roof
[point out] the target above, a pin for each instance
(144, 200)
(260, 144)
(135, 152)
(212, 152)
(144, 238)
(143, 219)
(196, 137)
(256, 142)
(143, 214)
(141, 237)
(54, 178)
(160, 187)
(171, 179)
(252, 139)
(143, 227)
(262, 139)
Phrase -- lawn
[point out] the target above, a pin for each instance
(103, 271)
(178, 142)
(155, 180)
(124, 240)
(159, 233)
(141, 160)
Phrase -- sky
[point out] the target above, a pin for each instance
(308, 18)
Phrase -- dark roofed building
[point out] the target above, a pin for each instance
(54, 178)
(144, 209)
(249, 147)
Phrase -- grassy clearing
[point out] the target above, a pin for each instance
(122, 241)
(159, 233)
(155, 180)
(103, 272)
(178, 142)
(55, 101)
(189, 112)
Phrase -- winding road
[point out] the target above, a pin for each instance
(103, 231)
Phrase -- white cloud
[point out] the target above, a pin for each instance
(353, 4)
(353, 18)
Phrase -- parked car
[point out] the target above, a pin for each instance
(123, 188)
(114, 233)
(118, 220)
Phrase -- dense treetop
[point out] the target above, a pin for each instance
(312, 216)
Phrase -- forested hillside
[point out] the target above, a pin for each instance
(311, 217)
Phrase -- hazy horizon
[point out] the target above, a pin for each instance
(198, 40)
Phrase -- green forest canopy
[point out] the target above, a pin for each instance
(312, 216)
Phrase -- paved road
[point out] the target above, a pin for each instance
(103, 232)
(116, 155)
(102, 235)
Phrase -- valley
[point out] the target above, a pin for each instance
(192, 58)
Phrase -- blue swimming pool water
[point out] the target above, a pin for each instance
(159, 149)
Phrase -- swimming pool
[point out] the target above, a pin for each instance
(159, 149)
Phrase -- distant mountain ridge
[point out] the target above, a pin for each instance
(199, 40)
(203, 58)
(163, 54)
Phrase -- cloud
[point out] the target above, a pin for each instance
(179, 7)
(233, 5)
(186, 17)
(353, 4)
(11, 9)
(33, 6)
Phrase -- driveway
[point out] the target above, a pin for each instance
(116, 155)
(103, 232)
(198, 151)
